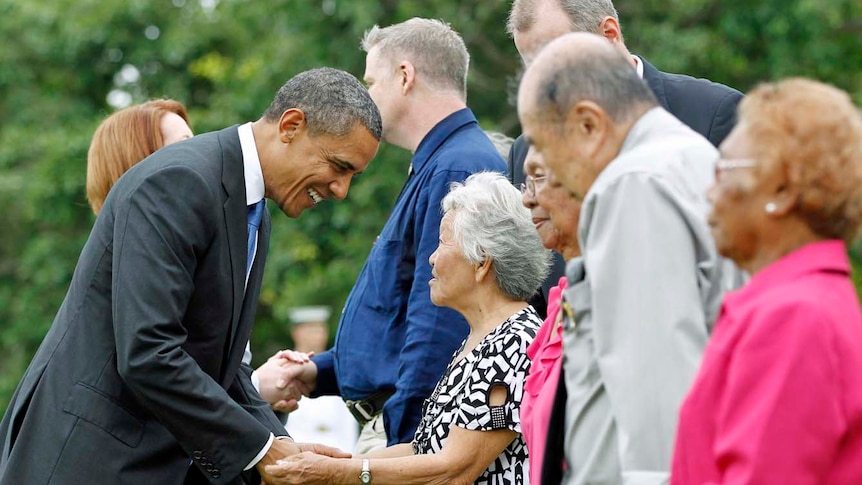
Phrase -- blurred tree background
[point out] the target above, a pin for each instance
(66, 64)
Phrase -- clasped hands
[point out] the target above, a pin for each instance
(280, 464)
(285, 378)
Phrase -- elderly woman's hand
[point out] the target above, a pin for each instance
(305, 468)
(324, 450)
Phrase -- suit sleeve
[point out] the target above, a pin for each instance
(515, 163)
(433, 333)
(725, 117)
(780, 416)
(160, 232)
(242, 391)
(646, 314)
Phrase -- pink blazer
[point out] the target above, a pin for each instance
(778, 398)
(546, 353)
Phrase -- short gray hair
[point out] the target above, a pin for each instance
(584, 15)
(602, 75)
(333, 101)
(436, 51)
(491, 222)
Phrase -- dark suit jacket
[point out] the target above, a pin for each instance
(139, 371)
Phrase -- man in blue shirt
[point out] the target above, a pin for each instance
(393, 344)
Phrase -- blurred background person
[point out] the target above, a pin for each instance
(128, 136)
(778, 398)
(488, 262)
(323, 419)
(555, 215)
(502, 142)
(707, 107)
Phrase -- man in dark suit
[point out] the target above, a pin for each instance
(708, 108)
(139, 378)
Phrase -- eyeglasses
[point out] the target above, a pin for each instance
(725, 164)
(529, 185)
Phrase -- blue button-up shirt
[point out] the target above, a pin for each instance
(391, 337)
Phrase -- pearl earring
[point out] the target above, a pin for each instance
(770, 207)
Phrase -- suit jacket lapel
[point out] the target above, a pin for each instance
(653, 78)
(241, 332)
(236, 223)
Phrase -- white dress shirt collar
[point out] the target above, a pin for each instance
(254, 188)
(639, 66)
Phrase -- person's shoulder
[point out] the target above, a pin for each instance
(694, 88)
(469, 150)
(521, 329)
(664, 139)
(806, 306)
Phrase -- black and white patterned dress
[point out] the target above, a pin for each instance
(461, 397)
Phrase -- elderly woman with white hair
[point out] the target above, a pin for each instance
(489, 261)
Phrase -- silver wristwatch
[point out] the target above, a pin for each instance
(365, 476)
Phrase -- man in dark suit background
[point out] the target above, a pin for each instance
(708, 108)
(139, 379)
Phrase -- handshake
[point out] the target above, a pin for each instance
(285, 378)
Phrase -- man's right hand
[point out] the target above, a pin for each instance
(285, 378)
(281, 448)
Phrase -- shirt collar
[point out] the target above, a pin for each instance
(822, 256)
(644, 127)
(441, 131)
(254, 188)
(639, 66)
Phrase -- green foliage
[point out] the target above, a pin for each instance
(60, 59)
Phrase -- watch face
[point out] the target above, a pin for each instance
(365, 477)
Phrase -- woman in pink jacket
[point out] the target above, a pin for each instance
(778, 398)
(555, 214)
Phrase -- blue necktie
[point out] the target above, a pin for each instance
(255, 215)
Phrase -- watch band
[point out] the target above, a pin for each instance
(365, 476)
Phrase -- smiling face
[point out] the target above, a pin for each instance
(174, 128)
(453, 277)
(537, 175)
(310, 169)
(561, 211)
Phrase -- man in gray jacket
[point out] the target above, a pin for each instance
(641, 300)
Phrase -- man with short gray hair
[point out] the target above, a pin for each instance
(393, 343)
(437, 51)
(641, 301)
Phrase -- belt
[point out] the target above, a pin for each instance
(364, 410)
